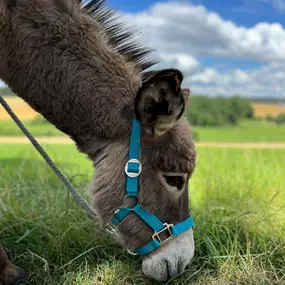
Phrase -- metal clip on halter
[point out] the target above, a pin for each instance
(167, 227)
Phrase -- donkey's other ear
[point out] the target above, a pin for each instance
(186, 94)
(160, 101)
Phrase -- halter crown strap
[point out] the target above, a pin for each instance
(133, 169)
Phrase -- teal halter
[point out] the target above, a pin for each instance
(133, 169)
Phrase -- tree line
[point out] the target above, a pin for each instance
(218, 111)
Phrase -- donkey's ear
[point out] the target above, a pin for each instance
(160, 101)
(186, 94)
(173, 76)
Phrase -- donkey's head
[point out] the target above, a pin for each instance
(167, 157)
(78, 69)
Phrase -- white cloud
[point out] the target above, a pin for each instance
(182, 33)
(182, 61)
(268, 80)
(186, 28)
(2, 84)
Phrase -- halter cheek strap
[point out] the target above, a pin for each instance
(133, 169)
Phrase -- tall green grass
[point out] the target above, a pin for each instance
(237, 199)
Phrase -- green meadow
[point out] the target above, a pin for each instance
(237, 200)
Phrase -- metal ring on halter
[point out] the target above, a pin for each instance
(126, 197)
(133, 174)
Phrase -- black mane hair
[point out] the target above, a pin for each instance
(118, 34)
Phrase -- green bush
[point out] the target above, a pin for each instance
(218, 111)
(280, 119)
(269, 118)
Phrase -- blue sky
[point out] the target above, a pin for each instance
(242, 12)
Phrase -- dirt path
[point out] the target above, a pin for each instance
(66, 140)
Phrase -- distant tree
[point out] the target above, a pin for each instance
(242, 107)
(218, 111)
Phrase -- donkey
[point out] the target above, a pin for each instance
(74, 63)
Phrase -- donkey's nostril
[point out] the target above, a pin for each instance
(182, 264)
(172, 269)
(163, 268)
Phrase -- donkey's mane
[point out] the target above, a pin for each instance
(120, 36)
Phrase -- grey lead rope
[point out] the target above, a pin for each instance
(77, 197)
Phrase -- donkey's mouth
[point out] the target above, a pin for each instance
(171, 259)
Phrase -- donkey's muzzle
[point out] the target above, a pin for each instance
(171, 258)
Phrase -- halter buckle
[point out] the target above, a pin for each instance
(167, 227)
(133, 174)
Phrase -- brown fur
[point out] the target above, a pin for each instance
(9, 273)
(69, 67)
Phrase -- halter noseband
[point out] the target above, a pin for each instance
(133, 169)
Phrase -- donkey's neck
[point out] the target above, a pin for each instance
(66, 71)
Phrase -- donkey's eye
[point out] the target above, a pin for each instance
(175, 181)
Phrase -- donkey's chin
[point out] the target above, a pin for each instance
(170, 259)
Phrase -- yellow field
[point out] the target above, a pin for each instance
(20, 107)
(262, 110)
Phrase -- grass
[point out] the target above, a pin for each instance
(246, 131)
(237, 199)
